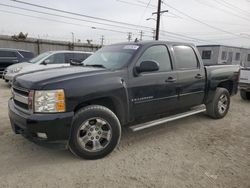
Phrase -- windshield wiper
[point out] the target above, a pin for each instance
(96, 65)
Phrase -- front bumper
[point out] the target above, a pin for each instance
(55, 126)
(8, 77)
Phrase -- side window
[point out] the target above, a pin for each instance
(26, 54)
(185, 58)
(159, 54)
(7, 54)
(237, 56)
(248, 57)
(79, 56)
(57, 59)
(69, 57)
(206, 54)
(224, 55)
(230, 57)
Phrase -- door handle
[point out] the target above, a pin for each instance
(170, 79)
(198, 76)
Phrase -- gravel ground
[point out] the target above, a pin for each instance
(192, 152)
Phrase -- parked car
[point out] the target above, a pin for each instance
(50, 59)
(10, 56)
(244, 83)
(140, 85)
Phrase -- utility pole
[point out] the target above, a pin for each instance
(158, 20)
(102, 40)
(73, 37)
(129, 36)
(158, 13)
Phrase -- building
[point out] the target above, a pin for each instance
(220, 54)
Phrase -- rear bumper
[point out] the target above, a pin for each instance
(244, 86)
(55, 126)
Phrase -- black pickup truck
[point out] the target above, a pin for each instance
(135, 84)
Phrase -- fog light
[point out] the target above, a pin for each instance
(42, 135)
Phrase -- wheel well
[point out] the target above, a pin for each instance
(227, 85)
(106, 101)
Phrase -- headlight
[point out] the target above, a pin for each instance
(49, 101)
(16, 70)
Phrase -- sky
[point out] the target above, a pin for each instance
(225, 22)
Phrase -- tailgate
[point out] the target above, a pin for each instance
(245, 76)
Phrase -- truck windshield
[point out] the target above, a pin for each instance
(112, 57)
(39, 57)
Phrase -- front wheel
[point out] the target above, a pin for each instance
(219, 106)
(95, 132)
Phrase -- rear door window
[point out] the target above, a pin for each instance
(185, 57)
(81, 56)
(8, 54)
(69, 57)
(27, 55)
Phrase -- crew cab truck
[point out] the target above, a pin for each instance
(244, 83)
(139, 85)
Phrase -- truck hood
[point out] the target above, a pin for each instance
(40, 78)
(38, 67)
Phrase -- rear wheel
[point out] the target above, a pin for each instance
(95, 132)
(219, 106)
(245, 95)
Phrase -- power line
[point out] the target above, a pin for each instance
(51, 14)
(98, 22)
(142, 4)
(77, 14)
(222, 10)
(203, 23)
(58, 21)
(68, 17)
(135, 4)
(144, 11)
(232, 5)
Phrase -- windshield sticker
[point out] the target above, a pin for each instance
(131, 47)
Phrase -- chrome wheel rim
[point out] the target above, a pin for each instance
(94, 134)
(223, 104)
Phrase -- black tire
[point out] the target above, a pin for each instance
(84, 115)
(245, 95)
(213, 108)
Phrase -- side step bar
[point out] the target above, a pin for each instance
(195, 110)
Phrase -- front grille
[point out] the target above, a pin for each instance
(21, 91)
(20, 97)
(21, 105)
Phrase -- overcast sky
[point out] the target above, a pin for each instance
(198, 21)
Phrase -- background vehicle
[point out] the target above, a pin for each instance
(50, 59)
(10, 56)
(137, 84)
(244, 83)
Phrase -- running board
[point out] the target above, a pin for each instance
(195, 110)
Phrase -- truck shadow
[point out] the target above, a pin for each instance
(31, 154)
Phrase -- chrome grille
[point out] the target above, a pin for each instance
(20, 97)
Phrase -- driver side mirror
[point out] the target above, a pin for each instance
(147, 66)
(45, 62)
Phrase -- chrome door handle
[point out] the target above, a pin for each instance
(198, 76)
(170, 79)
